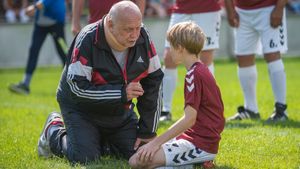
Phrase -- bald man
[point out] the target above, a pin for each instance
(110, 63)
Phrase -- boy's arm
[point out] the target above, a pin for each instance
(148, 151)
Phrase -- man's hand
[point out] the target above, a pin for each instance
(139, 142)
(276, 17)
(30, 10)
(134, 90)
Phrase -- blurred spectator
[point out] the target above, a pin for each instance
(15, 9)
(159, 8)
(49, 18)
(294, 6)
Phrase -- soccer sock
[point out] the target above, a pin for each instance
(248, 78)
(211, 68)
(27, 79)
(278, 80)
(169, 86)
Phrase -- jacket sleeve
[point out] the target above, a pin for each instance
(79, 77)
(149, 104)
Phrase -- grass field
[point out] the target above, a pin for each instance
(246, 144)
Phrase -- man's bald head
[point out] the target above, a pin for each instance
(124, 10)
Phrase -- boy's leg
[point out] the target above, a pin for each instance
(170, 71)
(176, 153)
(158, 160)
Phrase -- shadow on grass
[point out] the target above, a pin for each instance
(216, 167)
(285, 124)
(247, 124)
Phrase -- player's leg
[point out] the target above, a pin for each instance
(158, 160)
(207, 57)
(245, 49)
(170, 72)
(38, 37)
(274, 42)
(176, 153)
(58, 34)
(210, 24)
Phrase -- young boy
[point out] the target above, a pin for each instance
(195, 137)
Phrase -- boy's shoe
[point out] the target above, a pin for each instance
(54, 119)
(19, 88)
(165, 116)
(244, 114)
(279, 113)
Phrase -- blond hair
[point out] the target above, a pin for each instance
(187, 35)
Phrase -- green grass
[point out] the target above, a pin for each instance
(246, 144)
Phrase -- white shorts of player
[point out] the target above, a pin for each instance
(255, 29)
(183, 153)
(209, 22)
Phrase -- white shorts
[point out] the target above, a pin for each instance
(255, 27)
(210, 23)
(182, 152)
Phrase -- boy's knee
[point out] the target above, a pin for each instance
(135, 163)
(132, 162)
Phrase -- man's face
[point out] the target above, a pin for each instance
(127, 31)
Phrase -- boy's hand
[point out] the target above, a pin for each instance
(146, 152)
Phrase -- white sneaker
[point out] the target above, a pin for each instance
(54, 119)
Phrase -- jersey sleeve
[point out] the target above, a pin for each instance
(192, 90)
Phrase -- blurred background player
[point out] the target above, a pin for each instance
(264, 20)
(49, 19)
(15, 9)
(205, 13)
(97, 9)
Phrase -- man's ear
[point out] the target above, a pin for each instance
(109, 23)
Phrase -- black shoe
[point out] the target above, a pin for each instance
(20, 88)
(244, 114)
(279, 113)
(165, 116)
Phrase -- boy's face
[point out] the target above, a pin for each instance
(176, 55)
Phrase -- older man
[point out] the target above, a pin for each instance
(111, 62)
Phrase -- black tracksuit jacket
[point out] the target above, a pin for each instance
(94, 84)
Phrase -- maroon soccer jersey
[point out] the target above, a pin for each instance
(195, 6)
(254, 4)
(98, 8)
(202, 93)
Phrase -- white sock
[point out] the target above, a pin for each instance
(169, 86)
(278, 80)
(248, 78)
(211, 68)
